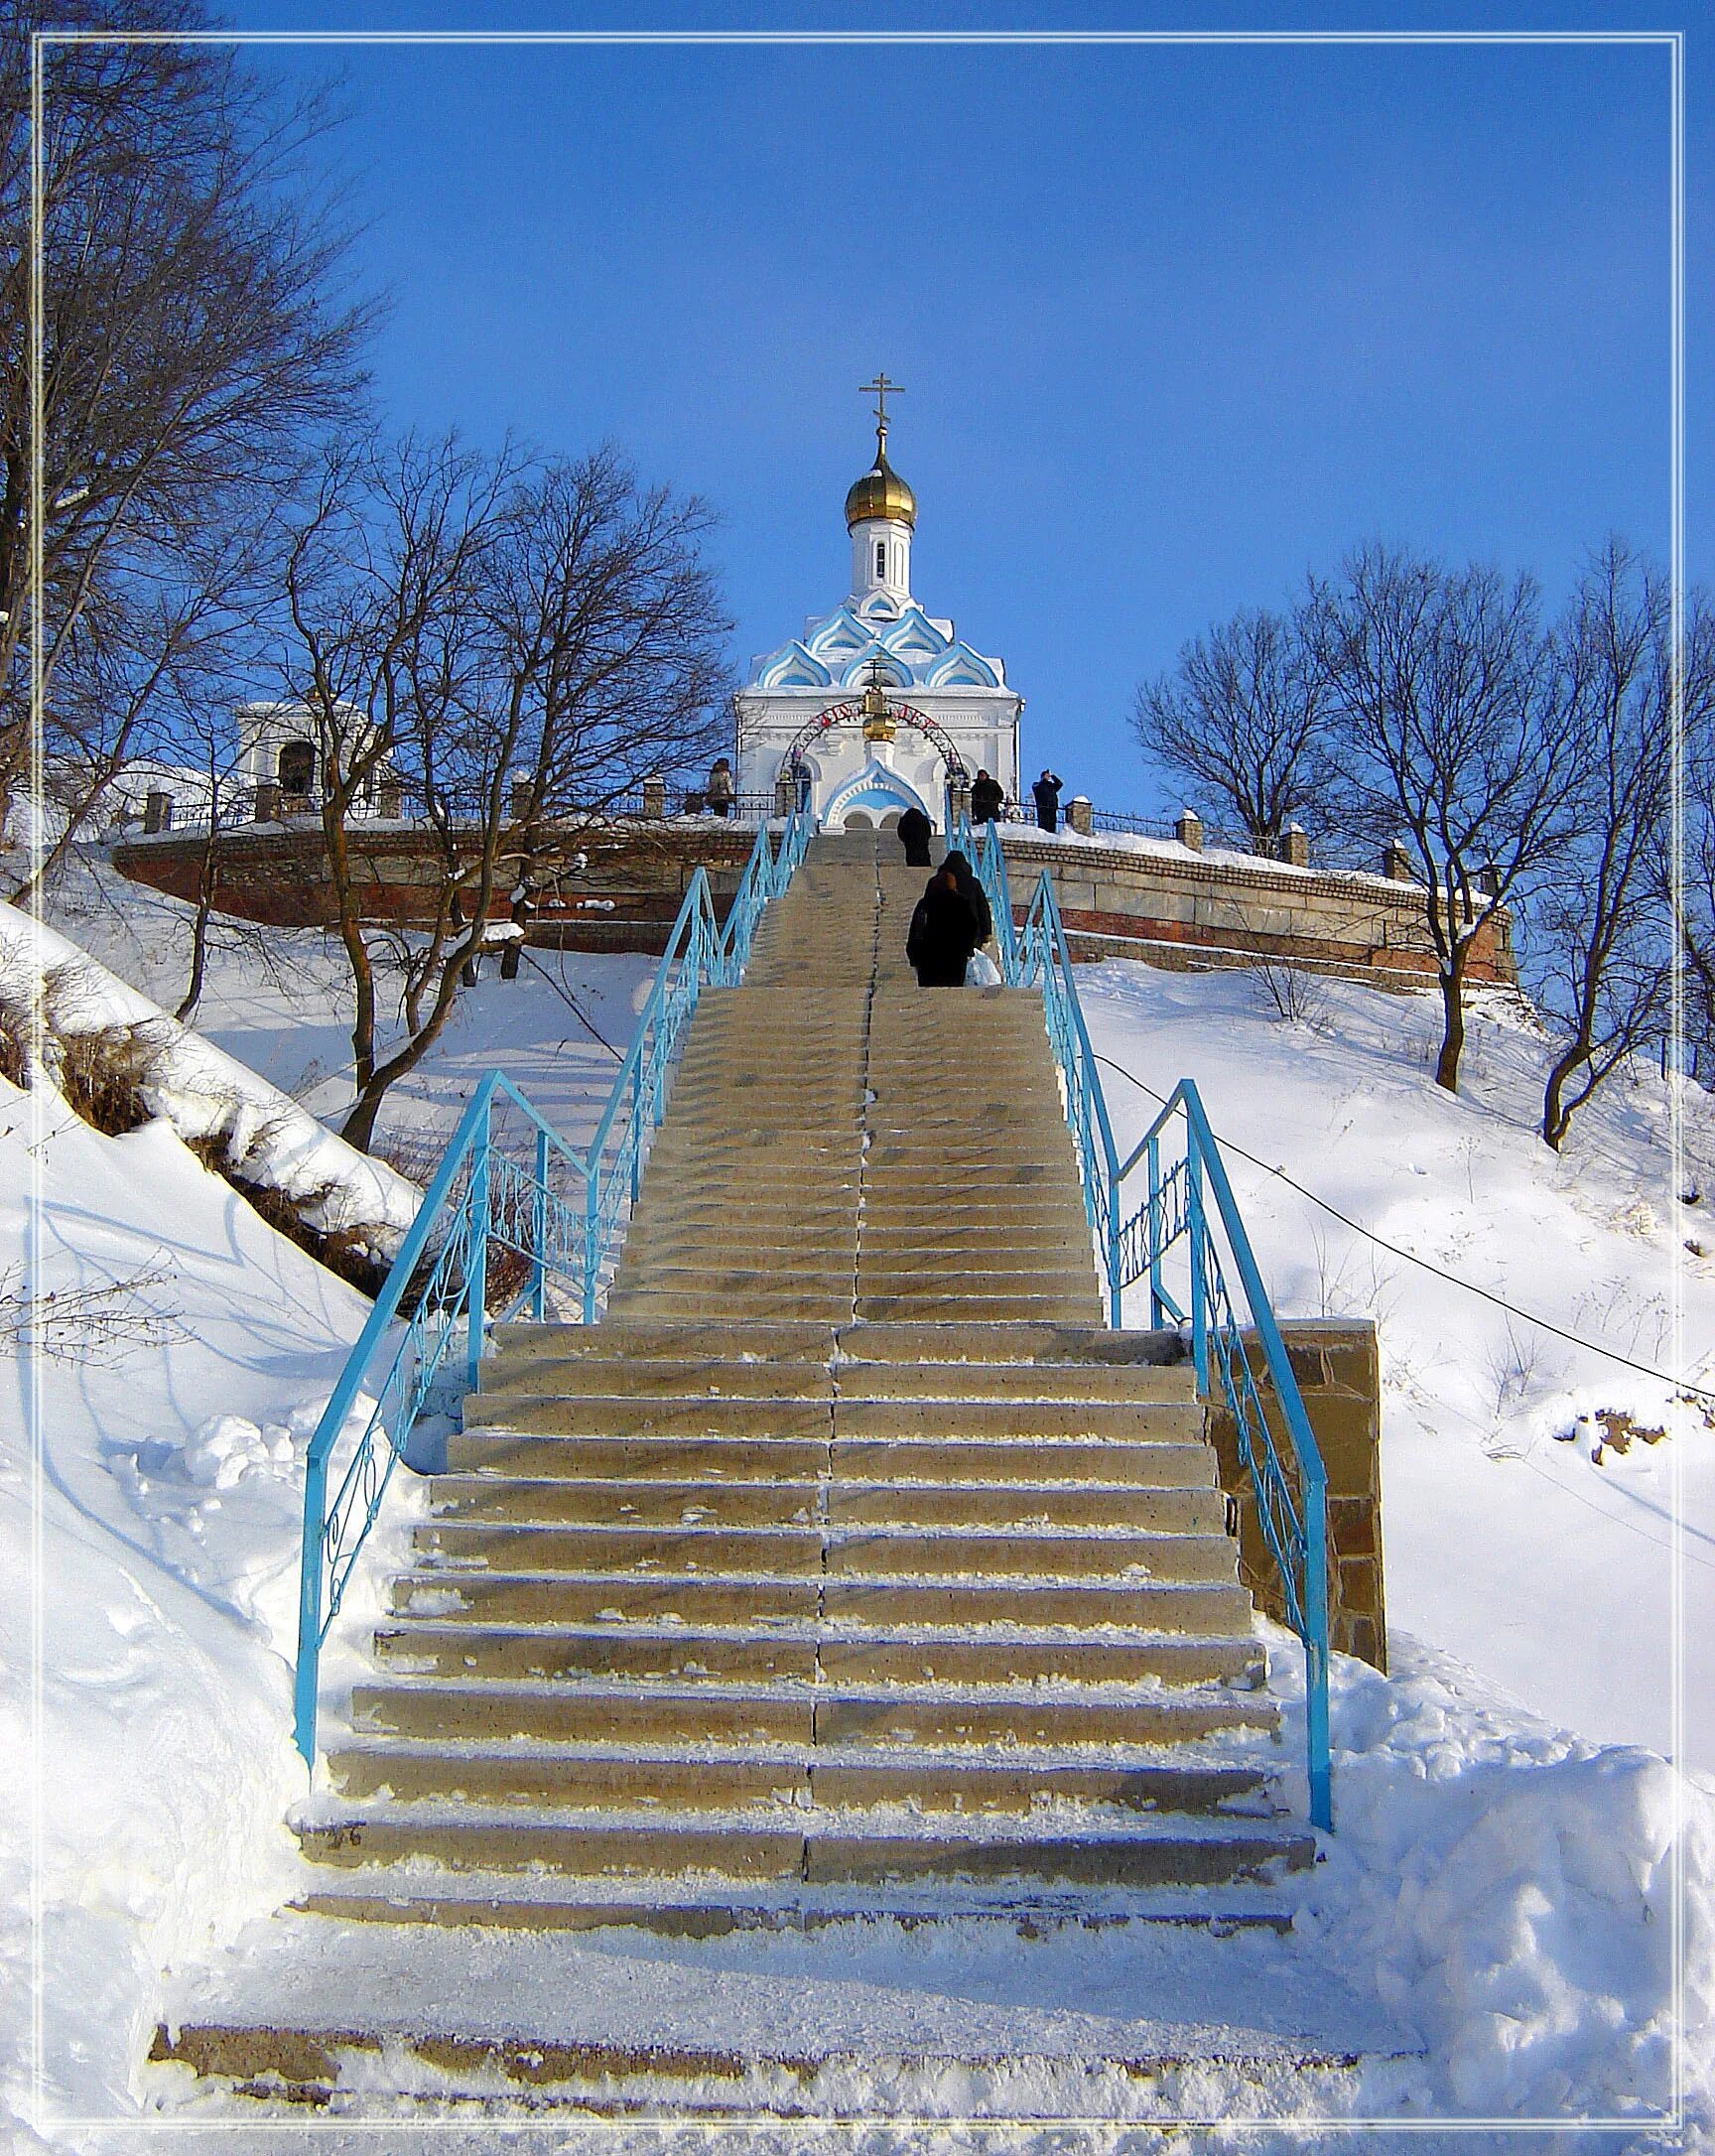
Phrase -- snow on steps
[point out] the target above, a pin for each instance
(830, 2015)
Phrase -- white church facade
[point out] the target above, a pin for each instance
(879, 706)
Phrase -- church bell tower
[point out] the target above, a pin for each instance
(880, 515)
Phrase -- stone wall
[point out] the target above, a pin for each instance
(1170, 906)
(1177, 907)
(1338, 1375)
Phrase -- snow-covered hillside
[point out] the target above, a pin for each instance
(1502, 1880)
(1508, 1541)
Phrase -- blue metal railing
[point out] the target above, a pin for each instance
(482, 1197)
(1284, 1464)
(1281, 1454)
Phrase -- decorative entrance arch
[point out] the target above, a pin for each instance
(872, 794)
(853, 714)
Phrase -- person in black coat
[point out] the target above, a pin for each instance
(915, 829)
(1047, 796)
(973, 893)
(943, 932)
(986, 799)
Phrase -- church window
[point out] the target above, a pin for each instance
(296, 767)
(880, 558)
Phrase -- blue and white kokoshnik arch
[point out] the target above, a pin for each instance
(877, 633)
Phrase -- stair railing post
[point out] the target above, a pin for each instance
(307, 1678)
(1316, 1651)
(1199, 1229)
(539, 1230)
(591, 1234)
(477, 1253)
(1156, 1230)
(637, 1129)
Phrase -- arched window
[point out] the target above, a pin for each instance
(296, 767)
(880, 558)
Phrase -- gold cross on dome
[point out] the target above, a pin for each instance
(879, 387)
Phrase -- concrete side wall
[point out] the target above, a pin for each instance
(1173, 909)
(1182, 908)
(1338, 1375)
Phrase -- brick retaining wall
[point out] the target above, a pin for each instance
(1169, 907)
(1339, 1374)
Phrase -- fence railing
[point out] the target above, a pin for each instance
(1280, 1456)
(558, 1212)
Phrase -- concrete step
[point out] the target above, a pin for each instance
(1132, 1383)
(824, 1715)
(981, 1305)
(714, 1341)
(865, 1548)
(1013, 1343)
(563, 1598)
(1030, 1422)
(697, 1277)
(632, 1438)
(831, 1776)
(1170, 1852)
(431, 1646)
(739, 1305)
(593, 1375)
(630, 1502)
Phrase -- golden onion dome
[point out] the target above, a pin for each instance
(880, 493)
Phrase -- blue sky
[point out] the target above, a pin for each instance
(1174, 323)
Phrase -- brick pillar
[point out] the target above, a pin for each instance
(156, 812)
(1396, 863)
(1080, 815)
(654, 796)
(268, 802)
(1189, 830)
(1295, 846)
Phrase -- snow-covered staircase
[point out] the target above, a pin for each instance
(849, 1570)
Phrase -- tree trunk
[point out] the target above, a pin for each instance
(1452, 1023)
(358, 1128)
(206, 880)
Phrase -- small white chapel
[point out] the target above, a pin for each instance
(878, 705)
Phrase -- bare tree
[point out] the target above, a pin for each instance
(1456, 719)
(478, 630)
(1600, 931)
(1242, 716)
(1693, 900)
(610, 639)
(383, 577)
(195, 336)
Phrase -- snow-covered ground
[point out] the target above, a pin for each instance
(1501, 1881)
(1508, 1541)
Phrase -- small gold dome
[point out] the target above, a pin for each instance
(880, 493)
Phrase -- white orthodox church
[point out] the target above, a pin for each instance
(878, 705)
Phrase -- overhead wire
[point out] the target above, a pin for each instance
(1529, 1317)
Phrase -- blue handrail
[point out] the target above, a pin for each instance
(1289, 1480)
(480, 1196)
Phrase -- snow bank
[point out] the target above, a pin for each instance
(185, 1355)
(1510, 1888)
(205, 1093)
